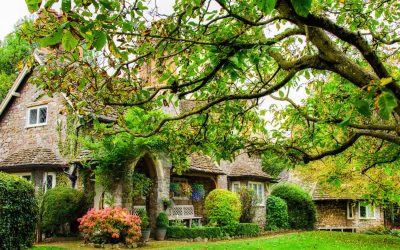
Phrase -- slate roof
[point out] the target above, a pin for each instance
(249, 171)
(319, 194)
(202, 163)
(32, 157)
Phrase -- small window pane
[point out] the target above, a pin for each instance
(42, 115)
(363, 211)
(49, 182)
(33, 116)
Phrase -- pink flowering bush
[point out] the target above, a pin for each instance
(110, 225)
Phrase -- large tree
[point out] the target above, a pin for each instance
(228, 56)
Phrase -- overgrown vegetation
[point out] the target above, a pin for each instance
(18, 212)
(276, 214)
(301, 208)
(249, 200)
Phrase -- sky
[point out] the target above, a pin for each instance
(10, 12)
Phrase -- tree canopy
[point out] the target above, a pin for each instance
(226, 58)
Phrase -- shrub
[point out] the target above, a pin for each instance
(301, 208)
(144, 218)
(162, 220)
(18, 212)
(110, 225)
(277, 213)
(378, 230)
(62, 205)
(395, 232)
(222, 208)
(191, 233)
(247, 229)
(249, 201)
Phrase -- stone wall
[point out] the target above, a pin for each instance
(15, 135)
(333, 214)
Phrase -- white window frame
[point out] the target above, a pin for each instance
(351, 206)
(37, 124)
(53, 185)
(368, 217)
(233, 183)
(250, 186)
(22, 175)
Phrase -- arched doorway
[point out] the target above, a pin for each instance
(146, 168)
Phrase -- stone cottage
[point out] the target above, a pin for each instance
(339, 212)
(32, 125)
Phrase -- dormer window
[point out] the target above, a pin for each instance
(37, 116)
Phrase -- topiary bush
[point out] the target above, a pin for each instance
(222, 208)
(249, 200)
(162, 220)
(18, 212)
(176, 232)
(62, 205)
(301, 208)
(144, 218)
(277, 214)
(110, 225)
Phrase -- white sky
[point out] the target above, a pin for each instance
(10, 12)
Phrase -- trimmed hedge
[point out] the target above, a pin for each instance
(240, 229)
(175, 232)
(63, 205)
(277, 214)
(301, 208)
(222, 208)
(247, 229)
(18, 212)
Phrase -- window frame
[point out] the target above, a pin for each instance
(232, 185)
(249, 185)
(37, 124)
(22, 175)
(367, 217)
(352, 206)
(53, 185)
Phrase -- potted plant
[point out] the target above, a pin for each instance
(167, 203)
(186, 190)
(162, 225)
(144, 225)
(175, 188)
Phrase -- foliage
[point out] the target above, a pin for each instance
(198, 192)
(249, 200)
(141, 185)
(14, 50)
(110, 225)
(247, 229)
(18, 212)
(379, 230)
(277, 213)
(175, 187)
(167, 202)
(341, 56)
(222, 208)
(301, 208)
(395, 232)
(62, 205)
(162, 220)
(186, 189)
(144, 218)
(191, 233)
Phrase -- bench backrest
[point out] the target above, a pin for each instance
(136, 208)
(181, 211)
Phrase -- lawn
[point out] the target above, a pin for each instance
(303, 240)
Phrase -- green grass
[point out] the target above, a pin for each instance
(302, 240)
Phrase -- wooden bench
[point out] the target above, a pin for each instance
(339, 229)
(183, 212)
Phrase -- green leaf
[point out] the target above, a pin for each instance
(266, 6)
(386, 103)
(363, 108)
(69, 42)
(345, 121)
(100, 39)
(386, 81)
(49, 3)
(53, 39)
(66, 5)
(281, 94)
(302, 7)
(33, 5)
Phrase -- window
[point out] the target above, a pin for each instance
(180, 188)
(258, 188)
(26, 176)
(49, 181)
(366, 211)
(37, 116)
(235, 186)
(351, 206)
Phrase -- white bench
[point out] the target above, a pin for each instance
(183, 212)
